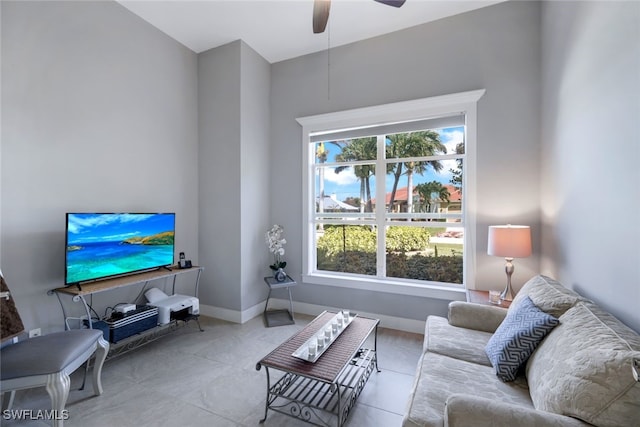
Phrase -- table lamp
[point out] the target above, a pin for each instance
(509, 241)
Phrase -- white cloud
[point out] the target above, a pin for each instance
(447, 166)
(451, 139)
(345, 177)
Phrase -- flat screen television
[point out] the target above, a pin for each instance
(102, 245)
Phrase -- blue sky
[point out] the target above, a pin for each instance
(345, 184)
(90, 227)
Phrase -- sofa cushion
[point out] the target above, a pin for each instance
(548, 294)
(438, 377)
(583, 369)
(515, 339)
(480, 317)
(460, 343)
(470, 410)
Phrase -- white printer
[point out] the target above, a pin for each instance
(171, 304)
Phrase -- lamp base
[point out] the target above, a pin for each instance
(507, 293)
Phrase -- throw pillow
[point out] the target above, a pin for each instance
(518, 335)
(548, 295)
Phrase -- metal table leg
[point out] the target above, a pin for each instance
(281, 316)
(290, 304)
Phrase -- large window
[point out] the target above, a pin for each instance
(389, 195)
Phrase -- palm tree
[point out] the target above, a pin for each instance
(360, 149)
(322, 153)
(427, 190)
(412, 144)
(456, 174)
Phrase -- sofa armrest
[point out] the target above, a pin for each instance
(480, 317)
(465, 410)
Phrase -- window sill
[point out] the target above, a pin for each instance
(444, 292)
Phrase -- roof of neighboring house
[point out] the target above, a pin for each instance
(401, 194)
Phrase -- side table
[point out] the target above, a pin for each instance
(279, 317)
(482, 297)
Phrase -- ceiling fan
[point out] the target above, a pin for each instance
(321, 12)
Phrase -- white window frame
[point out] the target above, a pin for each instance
(419, 109)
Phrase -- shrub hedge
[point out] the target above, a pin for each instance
(352, 249)
(337, 239)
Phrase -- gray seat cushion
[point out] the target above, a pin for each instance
(439, 377)
(46, 354)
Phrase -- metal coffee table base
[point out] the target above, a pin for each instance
(318, 402)
(325, 391)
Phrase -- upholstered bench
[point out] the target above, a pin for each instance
(47, 361)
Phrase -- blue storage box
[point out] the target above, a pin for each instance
(139, 320)
(99, 324)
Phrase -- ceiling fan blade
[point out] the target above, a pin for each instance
(394, 3)
(320, 15)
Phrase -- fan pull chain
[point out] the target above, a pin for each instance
(329, 62)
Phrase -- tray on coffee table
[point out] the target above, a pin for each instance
(325, 337)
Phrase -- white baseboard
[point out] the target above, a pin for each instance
(252, 312)
(221, 313)
(234, 316)
(392, 322)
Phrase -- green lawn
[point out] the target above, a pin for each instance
(445, 249)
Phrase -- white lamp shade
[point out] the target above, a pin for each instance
(509, 241)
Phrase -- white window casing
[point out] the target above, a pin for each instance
(434, 112)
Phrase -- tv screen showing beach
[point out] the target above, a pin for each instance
(103, 245)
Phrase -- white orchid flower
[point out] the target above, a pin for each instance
(275, 243)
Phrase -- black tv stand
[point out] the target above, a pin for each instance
(168, 268)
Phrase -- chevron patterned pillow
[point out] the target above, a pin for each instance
(517, 337)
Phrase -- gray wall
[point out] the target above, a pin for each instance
(219, 158)
(590, 149)
(234, 93)
(255, 166)
(496, 48)
(99, 113)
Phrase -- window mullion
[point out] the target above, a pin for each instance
(381, 188)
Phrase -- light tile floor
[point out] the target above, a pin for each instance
(209, 378)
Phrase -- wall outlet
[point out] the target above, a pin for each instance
(35, 332)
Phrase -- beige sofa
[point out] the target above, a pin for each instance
(580, 374)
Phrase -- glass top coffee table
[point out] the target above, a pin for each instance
(325, 390)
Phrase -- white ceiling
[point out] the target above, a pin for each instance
(281, 29)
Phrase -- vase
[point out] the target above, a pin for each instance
(280, 275)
